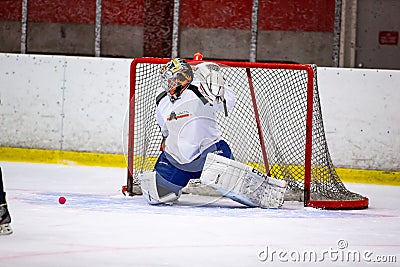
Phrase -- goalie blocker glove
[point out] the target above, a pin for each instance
(242, 183)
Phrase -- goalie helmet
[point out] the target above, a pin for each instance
(176, 76)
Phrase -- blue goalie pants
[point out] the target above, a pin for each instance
(174, 176)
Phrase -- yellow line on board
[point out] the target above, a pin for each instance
(62, 157)
(119, 161)
(369, 176)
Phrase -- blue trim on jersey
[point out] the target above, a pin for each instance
(180, 174)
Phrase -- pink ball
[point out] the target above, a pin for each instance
(62, 200)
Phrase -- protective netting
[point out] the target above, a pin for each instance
(281, 103)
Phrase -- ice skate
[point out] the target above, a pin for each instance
(5, 220)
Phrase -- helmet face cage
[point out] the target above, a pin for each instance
(176, 76)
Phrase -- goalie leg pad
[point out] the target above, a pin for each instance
(157, 190)
(274, 193)
(242, 183)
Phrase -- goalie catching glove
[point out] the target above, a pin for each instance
(211, 81)
(242, 183)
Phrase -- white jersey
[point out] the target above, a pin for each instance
(189, 124)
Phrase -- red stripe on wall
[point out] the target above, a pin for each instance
(227, 14)
(10, 10)
(123, 12)
(285, 15)
(297, 15)
(62, 11)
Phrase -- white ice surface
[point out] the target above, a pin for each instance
(98, 226)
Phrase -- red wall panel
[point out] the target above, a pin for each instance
(297, 15)
(157, 34)
(227, 14)
(123, 12)
(62, 11)
(285, 15)
(10, 10)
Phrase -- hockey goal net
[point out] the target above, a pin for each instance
(276, 127)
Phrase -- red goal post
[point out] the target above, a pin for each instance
(276, 127)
